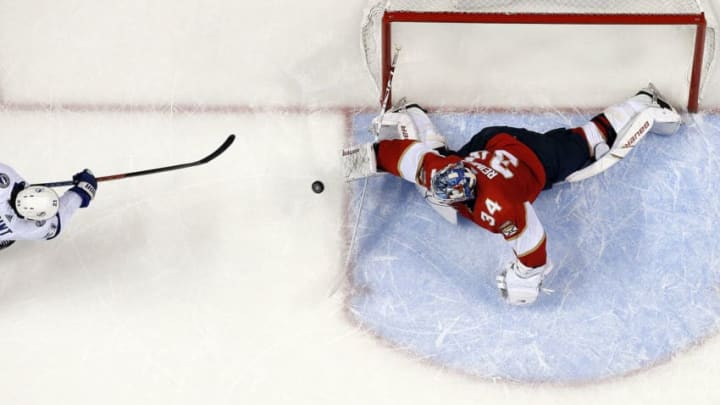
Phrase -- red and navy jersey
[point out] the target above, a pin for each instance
(509, 178)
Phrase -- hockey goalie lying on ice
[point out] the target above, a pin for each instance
(495, 177)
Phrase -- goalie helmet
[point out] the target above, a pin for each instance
(37, 203)
(455, 183)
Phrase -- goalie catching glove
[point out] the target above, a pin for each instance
(520, 284)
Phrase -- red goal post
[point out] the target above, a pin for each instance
(378, 40)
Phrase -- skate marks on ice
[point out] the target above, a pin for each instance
(635, 251)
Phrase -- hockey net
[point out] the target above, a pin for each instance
(477, 48)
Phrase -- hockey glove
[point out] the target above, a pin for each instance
(519, 284)
(85, 186)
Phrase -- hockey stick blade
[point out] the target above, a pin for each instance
(222, 148)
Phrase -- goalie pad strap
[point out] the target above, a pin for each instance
(602, 123)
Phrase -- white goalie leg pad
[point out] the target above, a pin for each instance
(622, 114)
(645, 112)
(395, 125)
(666, 120)
(633, 133)
(359, 161)
(427, 131)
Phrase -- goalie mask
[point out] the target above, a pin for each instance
(455, 183)
(36, 203)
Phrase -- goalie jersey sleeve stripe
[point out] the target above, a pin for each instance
(529, 243)
(403, 158)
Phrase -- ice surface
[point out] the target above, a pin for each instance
(635, 253)
(210, 285)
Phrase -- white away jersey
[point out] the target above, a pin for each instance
(13, 227)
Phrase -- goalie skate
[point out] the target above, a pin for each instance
(667, 120)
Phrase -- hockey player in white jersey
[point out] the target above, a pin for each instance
(30, 212)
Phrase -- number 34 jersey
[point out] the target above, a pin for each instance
(509, 178)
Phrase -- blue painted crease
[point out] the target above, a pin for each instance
(636, 257)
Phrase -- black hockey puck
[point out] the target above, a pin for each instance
(318, 186)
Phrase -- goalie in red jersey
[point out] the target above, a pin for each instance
(494, 178)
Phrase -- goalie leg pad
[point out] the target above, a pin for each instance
(646, 112)
(427, 131)
(396, 125)
(666, 118)
(626, 139)
(409, 122)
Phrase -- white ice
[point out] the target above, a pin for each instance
(211, 285)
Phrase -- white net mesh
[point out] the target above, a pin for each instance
(710, 53)
(371, 28)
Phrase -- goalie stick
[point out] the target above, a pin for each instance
(386, 96)
(222, 148)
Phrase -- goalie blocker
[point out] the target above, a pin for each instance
(359, 161)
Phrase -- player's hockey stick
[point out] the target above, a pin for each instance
(202, 161)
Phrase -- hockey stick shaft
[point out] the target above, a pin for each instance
(388, 87)
(386, 96)
(222, 148)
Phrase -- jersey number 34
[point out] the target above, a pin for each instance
(502, 162)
